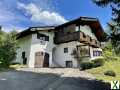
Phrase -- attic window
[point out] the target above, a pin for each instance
(42, 37)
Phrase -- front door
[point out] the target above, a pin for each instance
(46, 60)
(41, 59)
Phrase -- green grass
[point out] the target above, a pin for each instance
(16, 66)
(109, 65)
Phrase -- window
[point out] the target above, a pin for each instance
(47, 38)
(97, 53)
(84, 50)
(69, 64)
(94, 53)
(77, 28)
(65, 50)
(42, 37)
(100, 53)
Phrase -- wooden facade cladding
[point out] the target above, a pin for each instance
(66, 38)
(84, 38)
(76, 36)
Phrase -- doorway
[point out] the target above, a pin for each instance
(41, 59)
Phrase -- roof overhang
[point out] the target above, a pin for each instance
(32, 30)
(92, 22)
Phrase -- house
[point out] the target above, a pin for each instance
(53, 46)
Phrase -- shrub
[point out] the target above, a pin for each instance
(98, 62)
(86, 65)
(8, 49)
(110, 73)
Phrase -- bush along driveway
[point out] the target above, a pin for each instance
(34, 80)
(110, 71)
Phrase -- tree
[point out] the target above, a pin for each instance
(114, 25)
(8, 49)
(2, 37)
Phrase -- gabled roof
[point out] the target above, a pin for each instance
(92, 22)
(31, 30)
(78, 20)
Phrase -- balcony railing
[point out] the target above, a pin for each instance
(95, 43)
(66, 38)
(76, 36)
(84, 38)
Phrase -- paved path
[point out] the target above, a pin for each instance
(21, 80)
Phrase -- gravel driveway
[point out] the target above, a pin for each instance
(39, 79)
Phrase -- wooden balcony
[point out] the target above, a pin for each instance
(76, 36)
(95, 43)
(98, 44)
(84, 38)
(66, 38)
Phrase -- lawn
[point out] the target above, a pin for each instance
(109, 65)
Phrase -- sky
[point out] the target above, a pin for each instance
(21, 14)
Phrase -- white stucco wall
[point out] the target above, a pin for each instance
(36, 46)
(87, 30)
(24, 45)
(62, 57)
(30, 44)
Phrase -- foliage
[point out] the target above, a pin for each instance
(109, 65)
(92, 64)
(114, 25)
(8, 48)
(110, 73)
(115, 7)
(98, 62)
(86, 65)
(109, 53)
(2, 37)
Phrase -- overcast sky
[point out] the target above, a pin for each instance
(21, 14)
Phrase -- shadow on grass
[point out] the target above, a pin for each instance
(21, 80)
